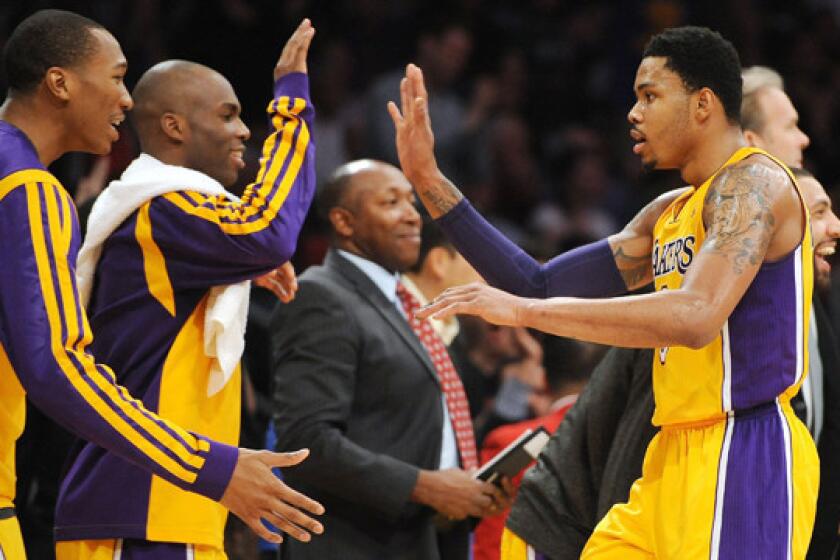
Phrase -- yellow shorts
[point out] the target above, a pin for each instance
(132, 549)
(743, 487)
(514, 548)
(11, 542)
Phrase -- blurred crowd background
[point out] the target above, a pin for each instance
(528, 101)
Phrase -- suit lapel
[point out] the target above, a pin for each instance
(371, 293)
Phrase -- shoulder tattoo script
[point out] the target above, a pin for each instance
(738, 214)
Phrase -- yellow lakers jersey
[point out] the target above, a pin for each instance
(761, 352)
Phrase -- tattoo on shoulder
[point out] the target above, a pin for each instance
(444, 196)
(738, 213)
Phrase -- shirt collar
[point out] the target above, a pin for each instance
(384, 280)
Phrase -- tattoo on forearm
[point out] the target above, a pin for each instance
(443, 196)
(738, 214)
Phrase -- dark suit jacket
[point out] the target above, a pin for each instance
(354, 384)
(591, 460)
(824, 542)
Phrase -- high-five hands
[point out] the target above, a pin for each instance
(293, 57)
(254, 493)
(415, 140)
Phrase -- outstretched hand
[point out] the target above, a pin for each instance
(415, 140)
(254, 493)
(293, 57)
(491, 304)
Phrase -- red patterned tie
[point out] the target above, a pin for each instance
(453, 389)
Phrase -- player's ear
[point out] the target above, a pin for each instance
(57, 81)
(704, 103)
(174, 126)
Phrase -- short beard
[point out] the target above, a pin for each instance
(649, 167)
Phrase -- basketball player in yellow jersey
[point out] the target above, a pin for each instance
(733, 474)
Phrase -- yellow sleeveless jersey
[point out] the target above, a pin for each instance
(761, 352)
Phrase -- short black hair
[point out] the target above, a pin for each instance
(45, 39)
(431, 236)
(702, 58)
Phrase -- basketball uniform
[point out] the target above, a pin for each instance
(153, 286)
(733, 474)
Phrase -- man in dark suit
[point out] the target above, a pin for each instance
(356, 385)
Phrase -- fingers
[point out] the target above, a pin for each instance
(480, 505)
(416, 76)
(287, 495)
(287, 526)
(405, 100)
(395, 114)
(442, 306)
(269, 283)
(293, 56)
(418, 96)
(262, 531)
(284, 459)
(293, 521)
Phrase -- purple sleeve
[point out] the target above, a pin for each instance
(215, 241)
(45, 332)
(588, 271)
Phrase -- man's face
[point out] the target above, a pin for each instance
(825, 228)
(660, 117)
(780, 136)
(98, 97)
(386, 225)
(215, 142)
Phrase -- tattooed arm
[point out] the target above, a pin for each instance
(752, 214)
(632, 246)
(601, 269)
(416, 143)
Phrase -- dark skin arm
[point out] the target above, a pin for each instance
(751, 213)
(415, 146)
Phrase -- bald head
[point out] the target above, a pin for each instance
(343, 185)
(172, 86)
(187, 114)
(370, 206)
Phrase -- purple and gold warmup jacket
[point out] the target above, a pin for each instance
(45, 337)
(147, 309)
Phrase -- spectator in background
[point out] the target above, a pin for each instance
(438, 267)
(444, 49)
(768, 117)
(567, 369)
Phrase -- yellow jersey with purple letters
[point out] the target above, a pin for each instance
(761, 352)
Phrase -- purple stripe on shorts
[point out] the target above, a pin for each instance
(755, 520)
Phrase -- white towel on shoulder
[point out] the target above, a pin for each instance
(227, 306)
